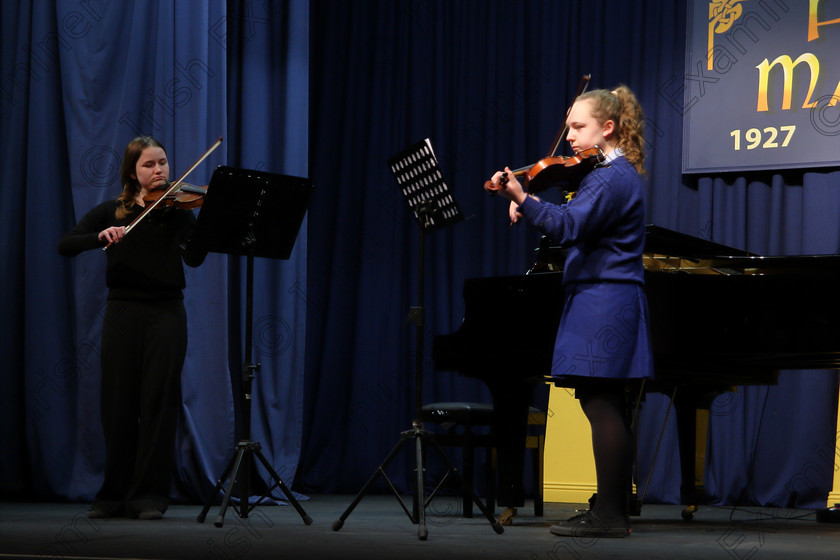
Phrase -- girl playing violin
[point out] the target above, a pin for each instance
(603, 339)
(144, 334)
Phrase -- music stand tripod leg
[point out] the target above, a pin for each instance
(219, 484)
(380, 471)
(279, 483)
(237, 464)
(466, 489)
(419, 494)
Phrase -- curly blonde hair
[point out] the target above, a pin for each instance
(621, 106)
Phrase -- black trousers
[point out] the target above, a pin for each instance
(143, 348)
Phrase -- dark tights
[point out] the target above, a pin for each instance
(612, 443)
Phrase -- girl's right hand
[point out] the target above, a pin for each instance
(113, 234)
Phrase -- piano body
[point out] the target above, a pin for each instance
(719, 317)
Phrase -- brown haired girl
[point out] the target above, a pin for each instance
(144, 334)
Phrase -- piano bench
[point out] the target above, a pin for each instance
(462, 422)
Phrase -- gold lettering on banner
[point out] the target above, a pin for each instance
(788, 67)
(814, 24)
(722, 14)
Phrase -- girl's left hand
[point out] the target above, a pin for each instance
(513, 189)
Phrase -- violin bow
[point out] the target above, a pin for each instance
(582, 85)
(581, 89)
(172, 188)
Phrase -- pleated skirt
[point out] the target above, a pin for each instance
(604, 333)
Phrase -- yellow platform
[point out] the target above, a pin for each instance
(569, 469)
(834, 496)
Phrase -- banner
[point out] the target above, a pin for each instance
(762, 85)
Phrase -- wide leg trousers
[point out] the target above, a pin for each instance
(143, 348)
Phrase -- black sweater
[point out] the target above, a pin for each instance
(147, 263)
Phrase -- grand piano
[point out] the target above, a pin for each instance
(720, 317)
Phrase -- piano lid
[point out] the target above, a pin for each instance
(671, 251)
(662, 241)
(665, 250)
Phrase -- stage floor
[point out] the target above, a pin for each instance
(379, 529)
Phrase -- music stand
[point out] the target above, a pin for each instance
(255, 214)
(419, 176)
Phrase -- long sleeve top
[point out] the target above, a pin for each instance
(147, 263)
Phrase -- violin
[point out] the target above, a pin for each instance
(185, 196)
(552, 171)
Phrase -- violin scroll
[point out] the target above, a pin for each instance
(493, 188)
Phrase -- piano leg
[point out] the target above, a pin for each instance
(689, 405)
(510, 425)
(685, 407)
(510, 428)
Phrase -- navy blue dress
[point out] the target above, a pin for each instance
(604, 330)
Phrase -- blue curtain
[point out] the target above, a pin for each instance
(331, 89)
(81, 79)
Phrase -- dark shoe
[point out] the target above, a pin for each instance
(98, 513)
(581, 513)
(150, 514)
(506, 517)
(587, 525)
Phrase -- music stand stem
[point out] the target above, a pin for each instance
(239, 467)
(418, 318)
